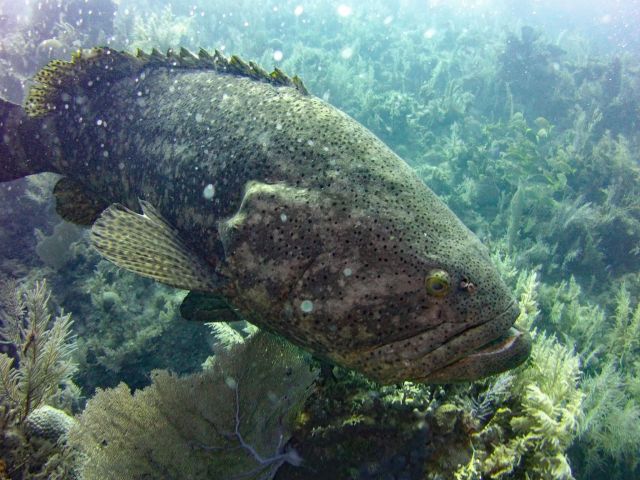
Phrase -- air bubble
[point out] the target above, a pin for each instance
(347, 272)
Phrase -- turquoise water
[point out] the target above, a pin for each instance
(523, 117)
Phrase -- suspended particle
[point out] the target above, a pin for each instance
(306, 306)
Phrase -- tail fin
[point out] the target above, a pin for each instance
(21, 152)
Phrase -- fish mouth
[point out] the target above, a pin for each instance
(492, 347)
(472, 353)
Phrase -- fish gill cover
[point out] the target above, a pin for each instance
(522, 117)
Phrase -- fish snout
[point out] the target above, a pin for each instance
(503, 347)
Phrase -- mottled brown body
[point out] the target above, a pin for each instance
(322, 233)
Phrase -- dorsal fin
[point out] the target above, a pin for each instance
(88, 67)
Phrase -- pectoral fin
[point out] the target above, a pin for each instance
(74, 204)
(205, 307)
(149, 246)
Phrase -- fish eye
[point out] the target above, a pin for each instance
(438, 283)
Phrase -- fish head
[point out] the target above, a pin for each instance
(428, 302)
(394, 293)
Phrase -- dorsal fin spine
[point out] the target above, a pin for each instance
(106, 64)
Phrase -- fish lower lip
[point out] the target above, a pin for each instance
(495, 356)
(498, 356)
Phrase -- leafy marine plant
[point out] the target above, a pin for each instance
(32, 378)
(609, 432)
(526, 434)
(126, 326)
(43, 350)
(162, 30)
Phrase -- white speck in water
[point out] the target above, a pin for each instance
(344, 10)
(172, 89)
(278, 126)
(105, 154)
(208, 192)
(387, 20)
(346, 53)
(278, 55)
(121, 165)
(231, 383)
(199, 117)
(98, 122)
(298, 10)
(429, 33)
(310, 143)
(306, 306)
(283, 217)
(347, 272)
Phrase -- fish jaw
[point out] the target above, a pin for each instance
(476, 352)
(506, 353)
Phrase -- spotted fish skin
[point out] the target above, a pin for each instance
(320, 231)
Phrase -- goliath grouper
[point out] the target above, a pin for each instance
(265, 201)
